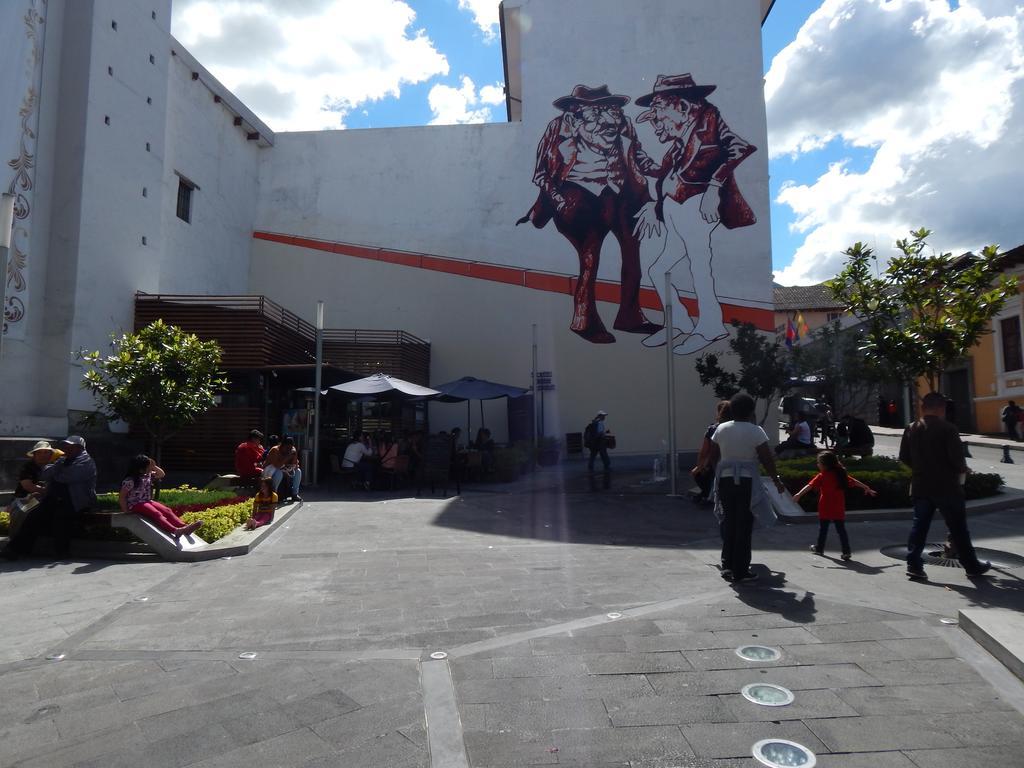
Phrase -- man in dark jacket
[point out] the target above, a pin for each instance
(70, 492)
(932, 449)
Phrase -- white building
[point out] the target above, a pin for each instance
(411, 228)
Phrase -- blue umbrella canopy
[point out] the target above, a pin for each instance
(469, 388)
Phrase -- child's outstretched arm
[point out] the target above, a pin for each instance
(858, 484)
(801, 492)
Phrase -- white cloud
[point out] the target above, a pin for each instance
(463, 105)
(485, 14)
(306, 64)
(936, 94)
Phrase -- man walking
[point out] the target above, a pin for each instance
(932, 449)
(597, 442)
(1010, 416)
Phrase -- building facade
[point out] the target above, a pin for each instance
(489, 241)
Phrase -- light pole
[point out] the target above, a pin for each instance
(316, 389)
(6, 226)
(671, 364)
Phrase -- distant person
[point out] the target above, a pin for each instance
(893, 412)
(931, 447)
(249, 457)
(854, 436)
(136, 497)
(359, 456)
(831, 483)
(271, 442)
(883, 412)
(291, 472)
(70, 491)
(264, 503)
(595, 439)
(1010, 416)
(740, 445)
(703, 471)
(799, 436)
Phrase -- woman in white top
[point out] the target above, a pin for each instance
(740, 445)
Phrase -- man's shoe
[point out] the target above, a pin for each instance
(815, 550)
(727, 574)
(916, 574)
(296, 498)
(846, 556)
(747, 577)
(981, 570)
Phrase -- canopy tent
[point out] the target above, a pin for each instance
(469, 388)
(382, 384)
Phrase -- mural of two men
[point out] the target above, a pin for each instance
(592, 174)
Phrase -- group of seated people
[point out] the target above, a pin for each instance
(368, 455)
(277, 462)
(851, 435)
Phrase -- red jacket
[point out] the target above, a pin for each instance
(247, 459)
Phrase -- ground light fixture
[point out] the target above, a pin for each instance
(782, 753)
(247, 655)
(758, 653)
(768, 695)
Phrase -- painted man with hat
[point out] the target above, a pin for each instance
(70, 490)
(696, 192)
(591, 184)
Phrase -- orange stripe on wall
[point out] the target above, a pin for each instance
(763, 319)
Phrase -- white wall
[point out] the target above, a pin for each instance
(457, 192)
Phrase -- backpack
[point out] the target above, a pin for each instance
(589, 435)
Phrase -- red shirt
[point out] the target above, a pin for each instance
(831, 496)
(247, 458)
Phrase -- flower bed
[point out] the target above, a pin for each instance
(886, 475)
(220, 510)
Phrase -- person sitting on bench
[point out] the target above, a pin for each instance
(799, 437)
(136, 497)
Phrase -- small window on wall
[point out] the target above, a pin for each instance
(185, 190)
(1009, 332)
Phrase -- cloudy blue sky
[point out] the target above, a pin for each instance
(883, 115)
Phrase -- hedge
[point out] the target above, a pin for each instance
(886, 475)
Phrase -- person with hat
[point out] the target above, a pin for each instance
(70, 490)
(589, 170)
(696, 192)
(595, 438)
(29, 476)
(249, 458)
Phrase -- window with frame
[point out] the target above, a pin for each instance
(185, 190)
(1009, 334)
(833, 316)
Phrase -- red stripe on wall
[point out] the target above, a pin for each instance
(764, 319)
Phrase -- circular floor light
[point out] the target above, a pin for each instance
(247, 655)
(56, 657)
(438, 655)
(781, 753)
(948, 621)
(614, 615)
(768, 695)
(758, 653)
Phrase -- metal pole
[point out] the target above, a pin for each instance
(6, 225)
(671, 365)
(316, 389)
(533, 377)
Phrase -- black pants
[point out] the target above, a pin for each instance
(604, 458)
(55, 515)
(737, 524)
(844, 539)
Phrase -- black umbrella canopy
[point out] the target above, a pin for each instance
(470, 388)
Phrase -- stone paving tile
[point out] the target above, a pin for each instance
(974, 757)
(924, 699)
(541, 688)
(667, 710)
(867, 760)
(260, 725)
(536, 716)
(563, 644)
(199, 743)
(539, 666)
(371, 721)
(297, 748)
(68, 752)
(392, 750)
(726, 658)
(611, 744)
(837, 633)
(486, 749)
(731, 681)
(635, 663)
(919, 648)
(732, 638)
(319, 707)
(736, 739)
(852, 652)
(911, 671)
(806, 704)
(903, 732)
(688, 641)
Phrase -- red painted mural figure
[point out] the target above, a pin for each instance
(590, 173)
(696, 192)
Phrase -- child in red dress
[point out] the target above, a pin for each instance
(263, 505)
(831, 483)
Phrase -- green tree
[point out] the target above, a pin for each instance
(762, 371)
(160, 379)
(925, 310)
(845, 375)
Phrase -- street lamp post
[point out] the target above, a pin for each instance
(316, 389)
(671, 364)
(6, 226)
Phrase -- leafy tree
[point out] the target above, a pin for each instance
(924, 311)
(160, 378)
(845, 374)
(762, 371)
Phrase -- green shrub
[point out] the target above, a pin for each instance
(218, 522)
(5, 523)
(173, 497)
(886, 475)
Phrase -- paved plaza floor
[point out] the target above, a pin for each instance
(581, 627)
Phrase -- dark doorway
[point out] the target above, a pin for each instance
(958, 391)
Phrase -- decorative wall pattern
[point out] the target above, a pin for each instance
(21, 55)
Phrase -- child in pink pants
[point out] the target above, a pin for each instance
(137, 497)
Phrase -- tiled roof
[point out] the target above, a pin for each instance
(792, 297)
